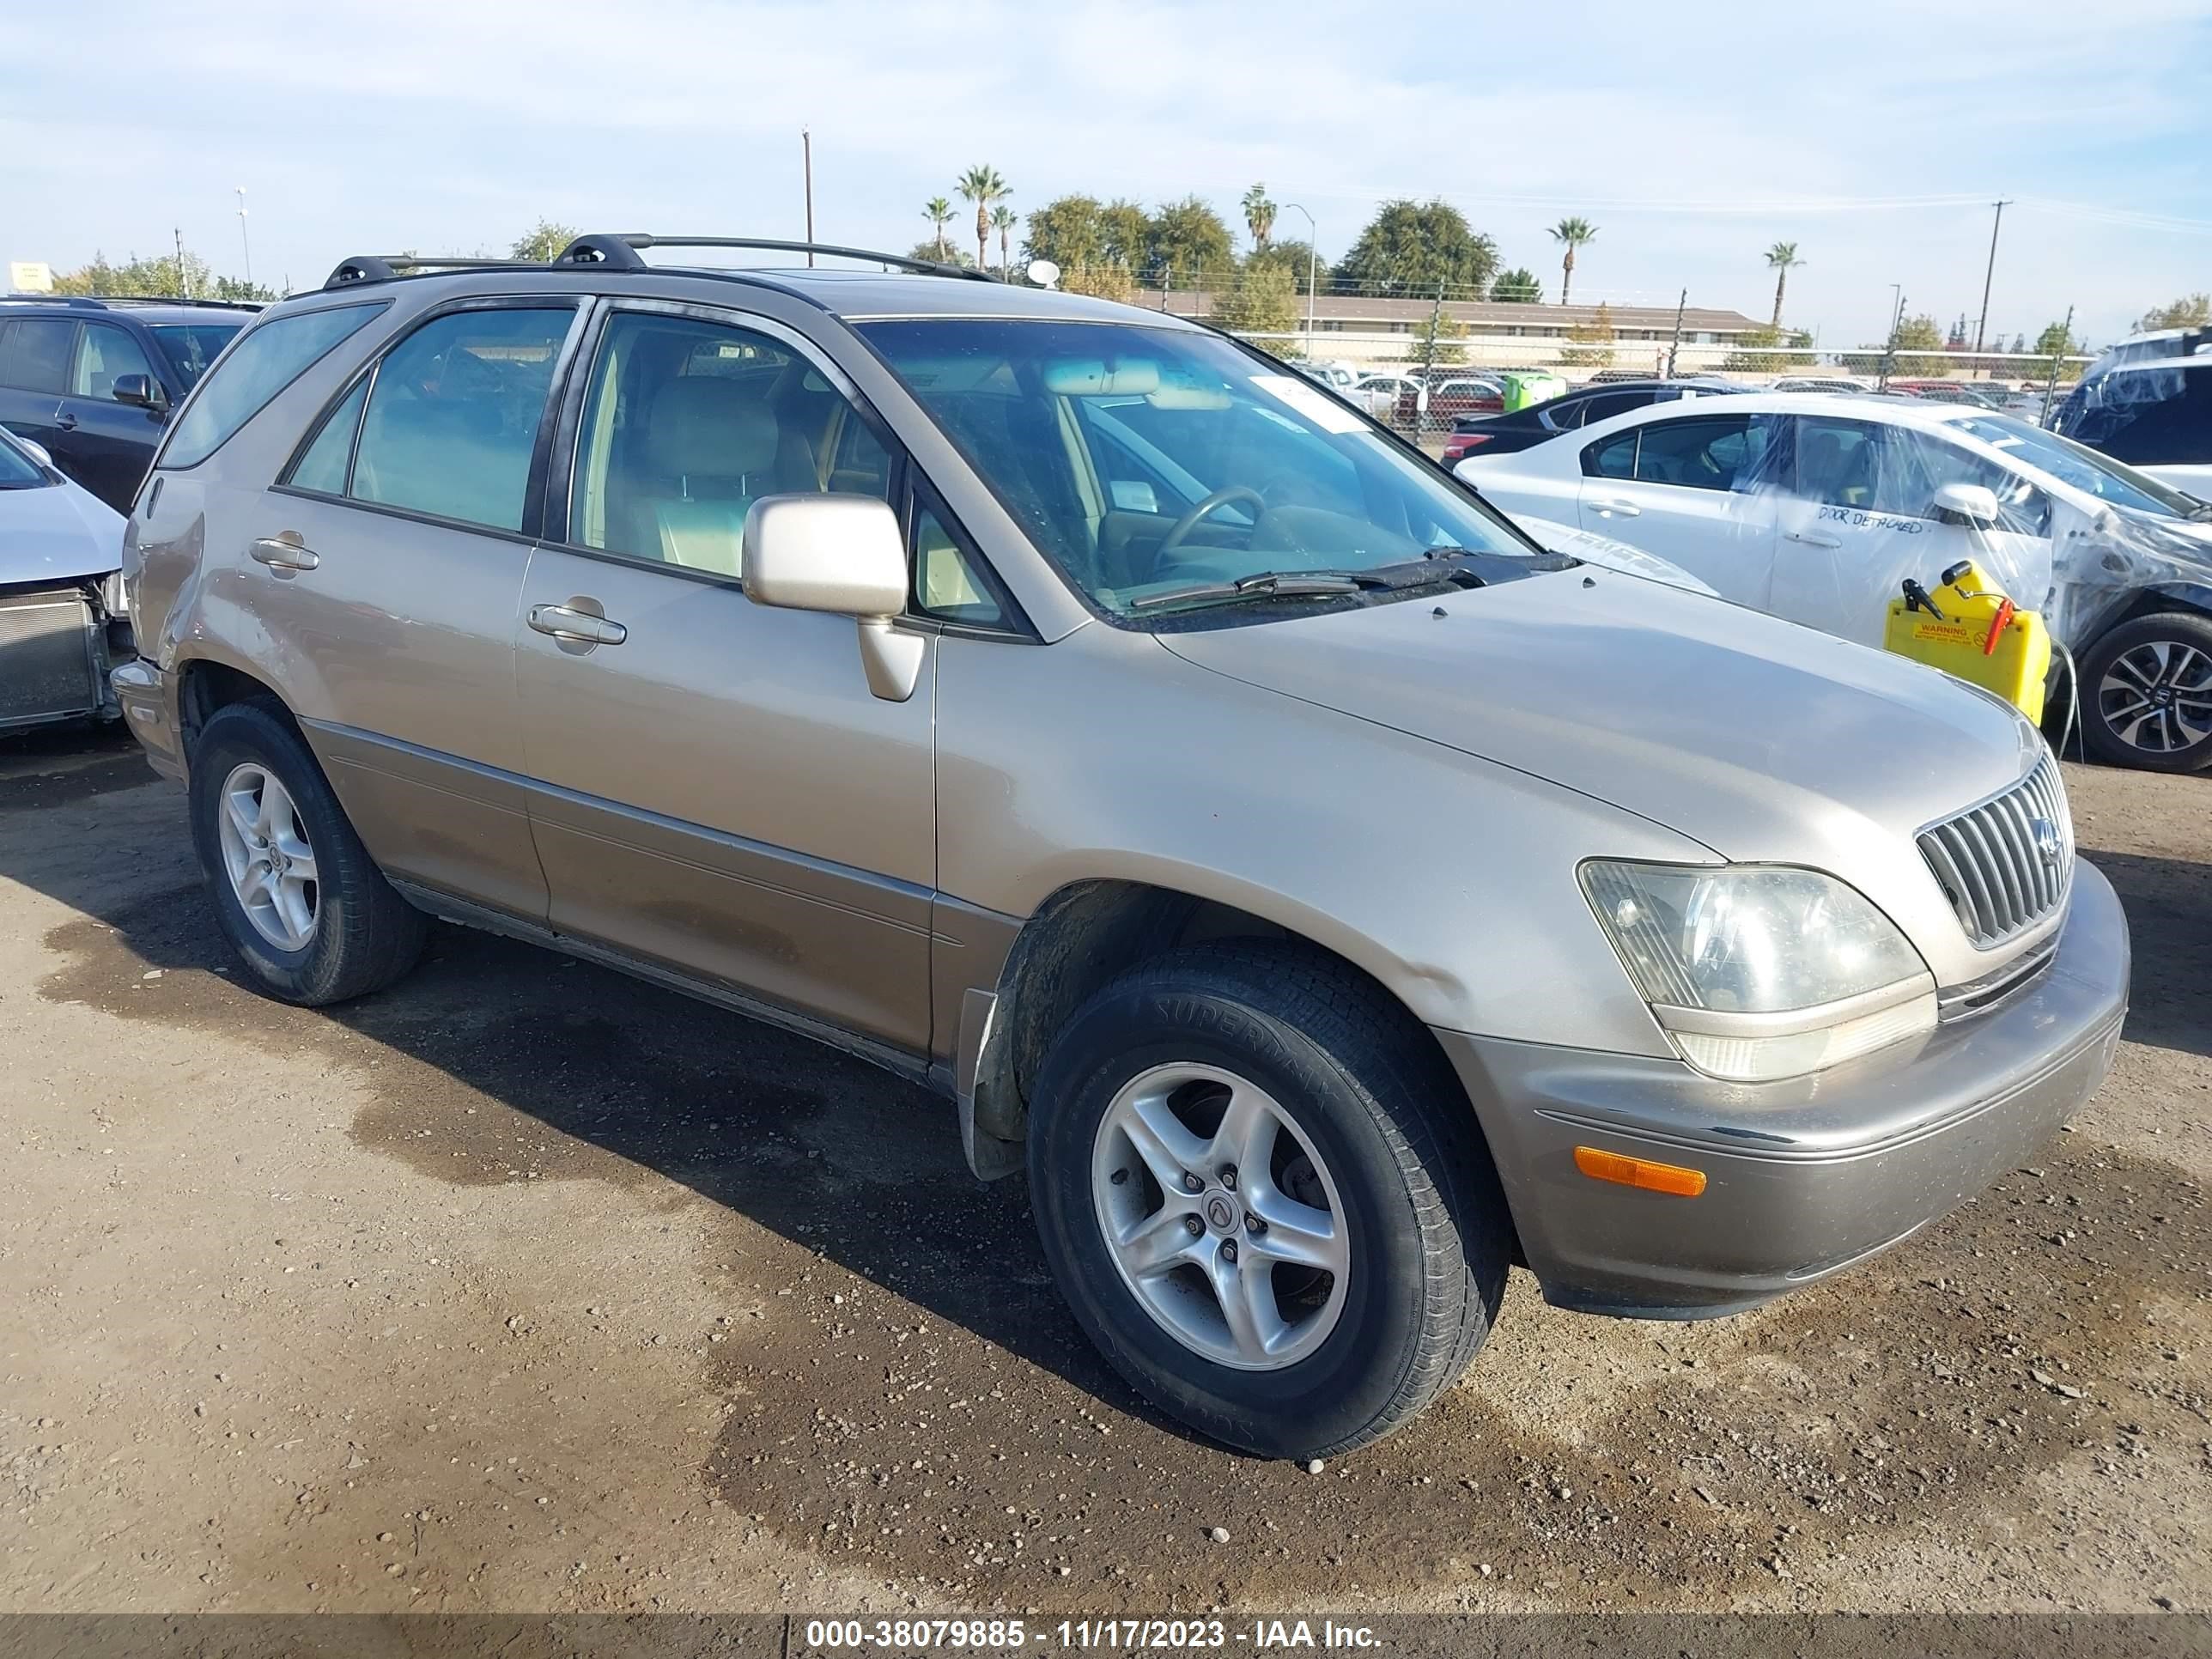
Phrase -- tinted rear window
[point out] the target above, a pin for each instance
(269, 358)
(34, 353)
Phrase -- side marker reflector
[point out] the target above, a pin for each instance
(1639, 1172)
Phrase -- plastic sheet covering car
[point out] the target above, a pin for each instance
(2076, 536)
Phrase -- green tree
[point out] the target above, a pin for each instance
(1261, 300)
(1003, 220)
(1518, 286)
(945, 253)
(1571, 234)
(1068, 230)
(1125, 234)
(1296, 257)
(1107, 281)
(162, 277)
(939, 212)
(1189, 245)
(543, 240)
(1443, 340)
(984, 187)
(1781, 258)
(1919, 336)
(1749, 358)
(1259, 216)
(1590, 343)
(2055, 343)
(2189, 311)
(1409, 247)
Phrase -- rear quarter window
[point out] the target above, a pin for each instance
(272, 355)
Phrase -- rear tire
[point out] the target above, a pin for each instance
(308, 911)
(1372, 1163)
(2146, 693)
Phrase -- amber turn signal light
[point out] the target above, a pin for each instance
(1639, 1172)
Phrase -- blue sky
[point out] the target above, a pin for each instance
(1694, 134)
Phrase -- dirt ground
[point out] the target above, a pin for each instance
(525, 1287)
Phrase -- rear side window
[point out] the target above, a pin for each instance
(328, 461)
(1713, 453)
(269, 358)
(2157, 416)
(453, 415)
(34, 353)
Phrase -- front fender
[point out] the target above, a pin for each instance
(1450, 879)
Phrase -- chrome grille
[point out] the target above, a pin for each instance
(48, 670)
(2005, 864)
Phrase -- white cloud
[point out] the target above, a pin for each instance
(1706, 131)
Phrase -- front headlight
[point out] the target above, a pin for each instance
(1759, 972)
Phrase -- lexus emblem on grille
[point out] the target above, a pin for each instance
(2048, 846)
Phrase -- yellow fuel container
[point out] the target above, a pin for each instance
(1966, 625)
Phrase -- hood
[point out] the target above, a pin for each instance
(57, 533)
(1764, 741)
(1608, 554)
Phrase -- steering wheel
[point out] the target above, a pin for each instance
(1188, 522)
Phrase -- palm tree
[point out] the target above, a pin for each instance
(1259, 216)
(1781, 256)
(939, 212)
(1003, 220)
(983, 186)
(1572, 233)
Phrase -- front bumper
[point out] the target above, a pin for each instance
(1804, 1177)
(141, 690)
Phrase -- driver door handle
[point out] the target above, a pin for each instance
(282, 551)
(1627, 509)
(1812, 541)
(579, 627)
(65, 420)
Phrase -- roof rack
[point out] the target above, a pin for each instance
(383, 267)
(102, 302)
(620, 250)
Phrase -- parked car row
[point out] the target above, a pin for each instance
(1090, 667)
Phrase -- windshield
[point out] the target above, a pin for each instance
(18, 470)
(1143, 461)
(191, 347)
(2070, 463)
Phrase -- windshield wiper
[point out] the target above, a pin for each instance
(1266, 585)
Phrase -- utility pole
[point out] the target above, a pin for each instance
(184, 287)
(1313, 267)
(1982, 322)
(806, 150)
(243, 240)
(2065, 339)
(1680, 305)
(1889, 350)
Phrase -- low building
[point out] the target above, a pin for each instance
(1360, 329)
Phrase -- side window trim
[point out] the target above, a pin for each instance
(916, 495)
(558, 492)
(533, 491)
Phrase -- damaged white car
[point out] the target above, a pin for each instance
(62, 622)
(1817, 508)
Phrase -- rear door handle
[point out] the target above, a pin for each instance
(1627, 509)
(1812, 541)
(579, 627)
(65, 420)
(282, 551)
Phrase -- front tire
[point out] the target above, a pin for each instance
(2147, 694)
(310, 915)
(1261, 1192)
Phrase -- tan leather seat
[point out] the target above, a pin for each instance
(713, 446)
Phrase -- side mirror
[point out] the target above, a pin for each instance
(844, 554)
(1968, 503)
(37, 452)
(139, 390)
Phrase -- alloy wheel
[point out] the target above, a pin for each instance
(268, 857)
(1220, 1215)
(2157, 696)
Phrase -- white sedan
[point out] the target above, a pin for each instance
(1817, 508)
(61, 594)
